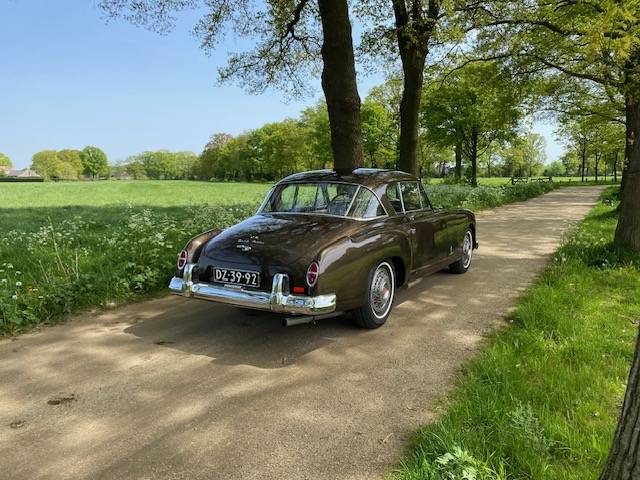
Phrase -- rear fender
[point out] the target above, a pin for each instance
(345, 265)
(196, 244)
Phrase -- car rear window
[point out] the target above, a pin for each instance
(324, 198)
(321, 198)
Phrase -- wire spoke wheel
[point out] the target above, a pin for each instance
(381, 294)
(467, 250)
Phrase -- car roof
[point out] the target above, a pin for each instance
(369, 177)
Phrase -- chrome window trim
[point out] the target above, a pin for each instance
(264, 202)
(353, 199)
(424, 190)
(396, 183)
(399, 193)
(266, 199)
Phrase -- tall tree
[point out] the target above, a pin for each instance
(288, 45)
(47, 164)
(411, 28)
(94, 162)
(470, 109)
(339, 85)
(71, 164)
(209, 160)
(414, 28)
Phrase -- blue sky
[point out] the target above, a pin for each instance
(69, 80)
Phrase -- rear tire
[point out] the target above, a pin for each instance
(381, 289)
(464, 263)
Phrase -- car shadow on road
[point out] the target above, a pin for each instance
(233, 336)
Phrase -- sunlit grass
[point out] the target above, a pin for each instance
(151, 193)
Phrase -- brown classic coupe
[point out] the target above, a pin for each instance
(323, 243)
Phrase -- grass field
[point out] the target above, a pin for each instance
(69, 246)
(149, 193)
(542, 401)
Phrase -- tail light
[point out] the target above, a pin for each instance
(312, 274)
(182, 259)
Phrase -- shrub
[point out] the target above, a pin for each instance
(483, 197)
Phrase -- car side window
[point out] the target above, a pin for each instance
(426, 203)
(366, 205)
(394, 197)
(410, 196)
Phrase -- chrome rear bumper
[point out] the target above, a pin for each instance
(275, 301)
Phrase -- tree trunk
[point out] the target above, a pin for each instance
(624, 457)
(584, 157)
(628, 229)
(413, 61)
(474, 158)
(458, 169)
(615, 168)
(339, 85)
(413, 32)
(597, 158)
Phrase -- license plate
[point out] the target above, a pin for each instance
(236, 277)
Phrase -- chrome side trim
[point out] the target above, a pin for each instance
(278, 300)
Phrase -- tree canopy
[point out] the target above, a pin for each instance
(5, 161)
(94, 162)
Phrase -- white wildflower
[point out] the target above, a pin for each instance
(18, 284)
(15, 297)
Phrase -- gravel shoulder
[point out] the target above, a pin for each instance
(183, 389)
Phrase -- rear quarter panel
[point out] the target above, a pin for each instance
(345, 265)
(458, 222)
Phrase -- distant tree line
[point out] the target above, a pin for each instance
(160, 165)
(71, 164)
(501, 147)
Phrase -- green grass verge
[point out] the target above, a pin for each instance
(501, 181)
(69, 246)
(542, 400)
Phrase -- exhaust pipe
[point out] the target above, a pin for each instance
(302, 319)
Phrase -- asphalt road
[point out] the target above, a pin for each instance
(185, 389)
